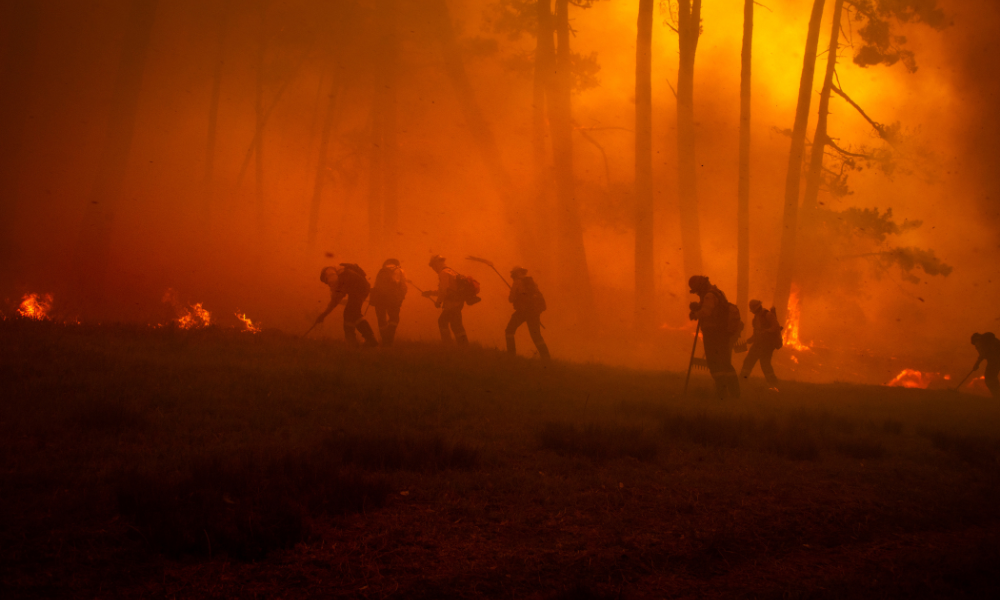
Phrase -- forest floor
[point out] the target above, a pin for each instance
(158, 463)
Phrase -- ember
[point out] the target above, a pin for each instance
(247, 324)
(35, 307)
(790, 335)
(911, 378)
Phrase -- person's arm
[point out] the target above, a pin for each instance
(334, 301)
(708, 305)
(979, 360)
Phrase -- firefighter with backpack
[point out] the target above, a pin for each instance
(387, 298)
(765, 340)
(348, 280)
(528, 306)
(453, 293)
(720, 327)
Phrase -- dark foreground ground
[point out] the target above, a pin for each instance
(161, 463)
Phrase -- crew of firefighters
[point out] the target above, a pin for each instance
(718, 320)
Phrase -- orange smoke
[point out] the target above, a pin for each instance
(35, 307)
(911, 378)
(193, 317)
(247, 324)
(790, 335)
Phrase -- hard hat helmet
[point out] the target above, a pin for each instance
(324, 274)
(391, 261)
(436, 259)
(976, 337)
(697, 282)
(755, 305)
(518, 272)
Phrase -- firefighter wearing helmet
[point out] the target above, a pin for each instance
(387, 298)
(450, 300)
(528, 306)
(713, 316)
(348, 280)
(765, 340)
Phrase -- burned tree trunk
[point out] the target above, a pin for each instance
(572, 256)
(260, 123)
(94, 245)
(479, 128)
(545, 56)
(815, 172)
(786, 258)
(688, 32)
(743, 187)
(644, 264)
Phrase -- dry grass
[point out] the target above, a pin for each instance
(214, 464)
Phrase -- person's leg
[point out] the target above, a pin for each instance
(991, 377)
(765, 366)
(714, 356)
(753, 355)
(391, 324)
(352, 314)
(535, 329)
(459, 328)
(381, 319)
(443, 322)
(367, 333)
(516, 320)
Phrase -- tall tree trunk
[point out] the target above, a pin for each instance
(15, 75)
(479, 128)
(94, 245)
(786, 258)
(743, 187)
(688, 32)
(261, 121)
(375, 178)
(574, 275)
(386, 98)
(644, 270)
(324, 143)
(545, 57)
(813, 176)
(208, 187)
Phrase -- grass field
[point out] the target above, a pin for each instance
(163, 463)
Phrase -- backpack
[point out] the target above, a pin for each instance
(387, 291)
(360, 279)
(532, 296)
(468, 289)
(734, 324)
(779, 340)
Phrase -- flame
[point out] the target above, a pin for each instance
(193, 317)
(35, 307)
(911, 378)
(790, 335)
(247, 324)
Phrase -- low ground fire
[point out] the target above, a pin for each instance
(35, 306)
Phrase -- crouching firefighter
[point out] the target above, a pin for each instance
(528, 307)
(765, 340)
(453, 292)
(348, 280)
(387, 298)
(720, 326)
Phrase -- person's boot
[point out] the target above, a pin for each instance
(543, 352)
(350, 336)
(734, 385)
(511, 345)
(368, 334)
(389, 335)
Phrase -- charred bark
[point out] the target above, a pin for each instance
(94, 245)
(574, 276)
(688, 32)
(786, 258)
(644, 263)
(743, 186)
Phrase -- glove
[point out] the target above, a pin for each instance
(437, 304)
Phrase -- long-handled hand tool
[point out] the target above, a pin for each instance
(694, 347)
(422, 292)
(961, 383)
(488, 263)
(311, 328)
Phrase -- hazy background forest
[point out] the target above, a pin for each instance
(224, 148)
